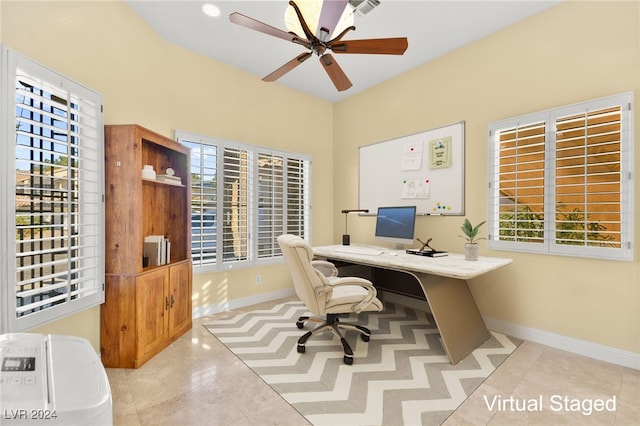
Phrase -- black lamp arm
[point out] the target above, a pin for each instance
(345, 236)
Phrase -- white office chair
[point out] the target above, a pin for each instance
(324, 293)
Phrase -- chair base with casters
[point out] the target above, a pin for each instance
(326, 295)
(333, 325)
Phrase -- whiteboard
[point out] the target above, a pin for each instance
(425, 169)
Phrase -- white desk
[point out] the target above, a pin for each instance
(444, 283)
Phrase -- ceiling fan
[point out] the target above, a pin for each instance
(320, 44)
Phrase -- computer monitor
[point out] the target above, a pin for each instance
(396, 224)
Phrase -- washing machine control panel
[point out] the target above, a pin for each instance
(22, 378)
(23, 363)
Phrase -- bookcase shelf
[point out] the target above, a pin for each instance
(146, 308)
(159, 182)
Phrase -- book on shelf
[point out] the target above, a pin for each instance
(158, 249)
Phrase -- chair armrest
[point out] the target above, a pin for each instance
(356, 281)
(327, 269)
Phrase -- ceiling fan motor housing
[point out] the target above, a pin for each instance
(331, 13)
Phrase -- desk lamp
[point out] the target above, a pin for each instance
(346, 239)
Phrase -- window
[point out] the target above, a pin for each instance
(52, 192)
(561, 180)
(242, 198)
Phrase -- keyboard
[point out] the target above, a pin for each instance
(369, 251)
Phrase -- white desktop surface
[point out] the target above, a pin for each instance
(453, 265)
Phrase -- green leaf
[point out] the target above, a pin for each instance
(470, 231)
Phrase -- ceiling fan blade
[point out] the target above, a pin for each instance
(253, 24)
(337, 76)
(329, 16)
(287, 67)
(379, 46)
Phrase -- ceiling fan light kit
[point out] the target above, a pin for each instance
(328, 18)
(311, 10)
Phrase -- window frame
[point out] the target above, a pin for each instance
(253, 235)
(549, 244)
(85, 276)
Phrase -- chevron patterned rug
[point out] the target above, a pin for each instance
(402, 376)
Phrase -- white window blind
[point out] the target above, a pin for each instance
(271, 203)
(204, 202)
(298, 199)
(520, 151)
(263, 193)
(56, 152)
(588, 178)
(237, 176)
(561, 180)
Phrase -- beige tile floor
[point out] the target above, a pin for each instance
(197, 381)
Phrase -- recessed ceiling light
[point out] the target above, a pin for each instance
(211, 10)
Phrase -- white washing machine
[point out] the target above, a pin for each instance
(52, 380)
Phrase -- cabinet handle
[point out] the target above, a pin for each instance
(166, 303)
(172, 300)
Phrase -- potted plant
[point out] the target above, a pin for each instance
(471, 235)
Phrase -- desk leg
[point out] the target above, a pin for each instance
(461, 326)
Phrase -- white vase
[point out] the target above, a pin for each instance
(471, 251)
(148, 172)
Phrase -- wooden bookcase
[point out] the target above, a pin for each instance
(146, 307)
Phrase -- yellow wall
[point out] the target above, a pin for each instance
(573, 52)
(148, 81)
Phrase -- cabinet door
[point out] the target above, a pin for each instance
(152, 309)
(180, 297)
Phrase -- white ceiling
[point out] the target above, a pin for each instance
(433, 28)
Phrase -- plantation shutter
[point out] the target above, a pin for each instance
(283, 200)
(588, 178)
(562, 180)
(237, 199)
(519, 196)
(271, 187)
(204, 202)
(59, 185)
(243, 198)
(298, 199)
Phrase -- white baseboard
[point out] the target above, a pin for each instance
(565, 343)
(214, 308)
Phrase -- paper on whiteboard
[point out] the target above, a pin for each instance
(416, 188)
(440, 153)
(412, 156)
